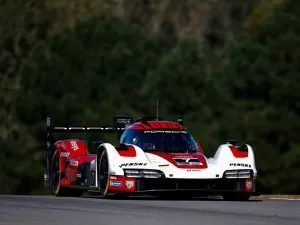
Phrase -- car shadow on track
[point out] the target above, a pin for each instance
(166, 198)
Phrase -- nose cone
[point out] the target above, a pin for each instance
(182, 160)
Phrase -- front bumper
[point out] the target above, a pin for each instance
(193, 186)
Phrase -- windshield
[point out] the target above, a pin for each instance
(167, 141)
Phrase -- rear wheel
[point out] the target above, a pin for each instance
(236, 197)
(56, 177)
(103, 174)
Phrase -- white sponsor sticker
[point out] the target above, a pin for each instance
(129, 184)
(74, 163)
(133, 164)
(64, 154)
(165, 131)
(249, 184)
(74, 145)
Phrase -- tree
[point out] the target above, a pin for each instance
(264, 80)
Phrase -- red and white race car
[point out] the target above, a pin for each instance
(153, 157)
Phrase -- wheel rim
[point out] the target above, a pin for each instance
(103, 172)
(55, 173)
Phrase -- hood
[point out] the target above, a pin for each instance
(180, 160)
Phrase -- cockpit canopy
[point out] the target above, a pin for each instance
(160, 140)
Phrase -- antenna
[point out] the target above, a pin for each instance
(157, 108)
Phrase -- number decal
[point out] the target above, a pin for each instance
(74, 145)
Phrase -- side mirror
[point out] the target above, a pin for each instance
(232, 142)
(199, 148)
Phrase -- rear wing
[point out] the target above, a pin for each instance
(120, 124)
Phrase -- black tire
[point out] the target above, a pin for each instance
(103, 169)
(56, 176)
(236, 197)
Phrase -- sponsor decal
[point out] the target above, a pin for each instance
(189, 161)
(73, 163)
(124, 121)
(165, 131)
(240, 164)
(167, 165)
(74, 145)
(116, 183)
(133, 164)
(249, 184)
(129, 184)
(179, 155)
(193, 170)
(64, 154)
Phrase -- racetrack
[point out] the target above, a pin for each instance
(48, 210)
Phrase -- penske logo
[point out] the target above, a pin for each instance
(240, 164)
(133, 164)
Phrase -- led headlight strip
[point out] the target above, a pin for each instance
(238, 174)
(136, 173)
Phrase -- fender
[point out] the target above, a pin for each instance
(229, 155)
(123, 153)
(69, 149)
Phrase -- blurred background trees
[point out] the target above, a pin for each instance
(229, 67)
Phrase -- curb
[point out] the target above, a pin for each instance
(277, 197)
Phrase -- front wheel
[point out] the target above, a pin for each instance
(236, 197)
(103, 174)
(56, 177)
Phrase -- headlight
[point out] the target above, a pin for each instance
(238, 174)
(143, 173)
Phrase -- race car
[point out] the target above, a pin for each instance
(152, 157)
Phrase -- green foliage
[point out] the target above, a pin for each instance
(21, 164)
(265, 74)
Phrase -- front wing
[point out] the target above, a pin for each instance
(121, 184)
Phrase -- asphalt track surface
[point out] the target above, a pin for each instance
(41, 210)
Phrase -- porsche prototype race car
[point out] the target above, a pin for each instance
(153, 157)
